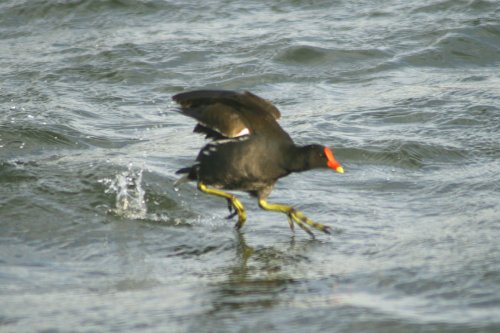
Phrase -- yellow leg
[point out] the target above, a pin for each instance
(237, 205)
(295, 216)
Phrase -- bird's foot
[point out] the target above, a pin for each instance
(296, 216)
(238, 210)
(232, 202)
(232, 211)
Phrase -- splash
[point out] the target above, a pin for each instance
(130, 202)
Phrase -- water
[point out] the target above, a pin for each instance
(94, 237)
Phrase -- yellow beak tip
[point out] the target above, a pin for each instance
(340, 169)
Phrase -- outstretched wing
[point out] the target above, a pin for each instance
(227, 114)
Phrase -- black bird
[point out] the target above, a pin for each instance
(249, 151)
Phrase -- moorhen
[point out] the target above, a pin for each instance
(249, 151)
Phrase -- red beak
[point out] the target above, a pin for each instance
(332, 162)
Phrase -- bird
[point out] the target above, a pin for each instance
(247, 151)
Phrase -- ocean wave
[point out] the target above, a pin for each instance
(471, 46)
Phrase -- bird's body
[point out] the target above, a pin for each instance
(249, 151)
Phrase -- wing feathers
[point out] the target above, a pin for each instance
(224, 113)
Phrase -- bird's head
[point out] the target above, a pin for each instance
(321, 157)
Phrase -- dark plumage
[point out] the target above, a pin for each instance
(249, 150)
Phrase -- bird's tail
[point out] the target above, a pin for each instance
(183, 171)
(186, 176)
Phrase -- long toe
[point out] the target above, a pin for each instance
(303, 220)
(290, 223)
(240, 210)
(230, 207)
(327, 230)
(306, 229)
(241, 221)
(233, 214)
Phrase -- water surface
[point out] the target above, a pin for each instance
(94, 236)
